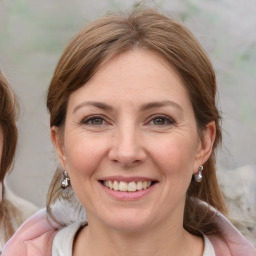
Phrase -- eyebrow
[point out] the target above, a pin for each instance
(93, 103)
(159, 104)
(144, 107)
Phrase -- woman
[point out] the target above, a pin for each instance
(135, 126)
(13, 210)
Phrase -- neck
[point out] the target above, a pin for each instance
(168, 240)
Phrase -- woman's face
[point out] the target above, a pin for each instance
(130, 143)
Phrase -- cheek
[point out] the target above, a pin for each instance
(175, 156)
(83, 155)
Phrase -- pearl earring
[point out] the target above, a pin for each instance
(66, 181)
(198, 176)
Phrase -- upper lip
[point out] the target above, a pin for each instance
(126, 179)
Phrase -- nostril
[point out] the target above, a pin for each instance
(126, 149)
(126, 158)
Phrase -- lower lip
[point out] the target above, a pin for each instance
(127, 196)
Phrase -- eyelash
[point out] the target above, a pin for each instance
(167, 120)
(87, 120)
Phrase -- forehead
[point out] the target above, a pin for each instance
(140, 73)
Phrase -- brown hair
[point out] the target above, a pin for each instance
(147, 29)
(8, 116)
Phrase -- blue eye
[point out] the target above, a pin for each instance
(94, 120)
(161, 121)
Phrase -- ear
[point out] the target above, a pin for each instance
(58, 143)
(205, 145)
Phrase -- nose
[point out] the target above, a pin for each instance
(127, 147)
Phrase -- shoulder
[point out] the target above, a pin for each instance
(64, 239)
(32, 238)
(232, 242)
(208, 247)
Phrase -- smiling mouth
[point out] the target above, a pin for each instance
(123, 186)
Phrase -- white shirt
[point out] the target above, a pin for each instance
(63, 241)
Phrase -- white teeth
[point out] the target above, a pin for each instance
(139, 185)
(144, 184)
(132, 186)
(115, 185)
(110, 184)
(124, 186)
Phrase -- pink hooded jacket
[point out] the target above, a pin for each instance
(35, 238)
